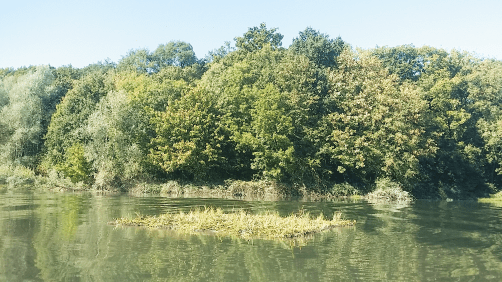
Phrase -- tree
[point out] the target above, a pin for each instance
(174, 53)
(485, 96)
(269, 136)
(137, 60)
(68, 123)
(116, 148)
(317, 47)
(219, 53)
(458, 168)
(257, 37)
(189, 137)
(407, 61)
(75, 165)
(27, 104)
(235, 83)
(375, 128)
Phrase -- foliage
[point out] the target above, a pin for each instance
(26, 104)
(219, 53)
(174, 53)
(458, 169)
(257, 37)
(75, 165)
(387, 190)
(115, 147)
(317, 47)
(16, 175)
(317, 117)
(375, 128)
(343, 189)
(68, 123)
(189, 136)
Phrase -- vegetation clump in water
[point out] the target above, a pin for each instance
(240, 224)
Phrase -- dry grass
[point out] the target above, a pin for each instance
(239, 224)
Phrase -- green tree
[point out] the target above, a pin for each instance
(27, 102)
(219, 53)
(117, 141)
(119, 130)
(458, 168)
(174, 53)
(257, 37)
(318, 47)
(235, 83)
(375, 128)
(485, 96)
(190, 137)
(68, 124)
(75, 165)
(139, 60)
(407, 61)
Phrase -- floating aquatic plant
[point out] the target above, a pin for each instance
(241, 224)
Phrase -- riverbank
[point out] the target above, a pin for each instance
(23, 178)
(239, 224)
(494, 198)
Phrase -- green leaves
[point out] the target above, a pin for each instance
(375, 126)
(189, 136)
(258, 37)
(316, 46)
(26, 104)
(174, 53)
(75, 165)
(317, 112)
(67, 125)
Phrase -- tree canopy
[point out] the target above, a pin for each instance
(318, 112)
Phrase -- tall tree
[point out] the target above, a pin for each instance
(318, 47)
(257, 37)
(189, 137)
(174, 53)
(28, 101)
(375, 128)
(68, 124)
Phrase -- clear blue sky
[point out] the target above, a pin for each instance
(62, 32)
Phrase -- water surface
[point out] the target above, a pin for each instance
(65, 237)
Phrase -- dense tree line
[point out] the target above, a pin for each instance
(319, 113)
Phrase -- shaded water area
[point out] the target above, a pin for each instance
(65, 237)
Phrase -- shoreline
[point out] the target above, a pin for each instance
(18, 178)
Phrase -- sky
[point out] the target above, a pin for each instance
(64, 32)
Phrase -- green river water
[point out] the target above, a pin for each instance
(65, 237)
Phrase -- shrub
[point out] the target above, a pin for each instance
(343, 190)
(389, 190)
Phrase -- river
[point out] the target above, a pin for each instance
(65, 237)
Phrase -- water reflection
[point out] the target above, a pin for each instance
(59, 237)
